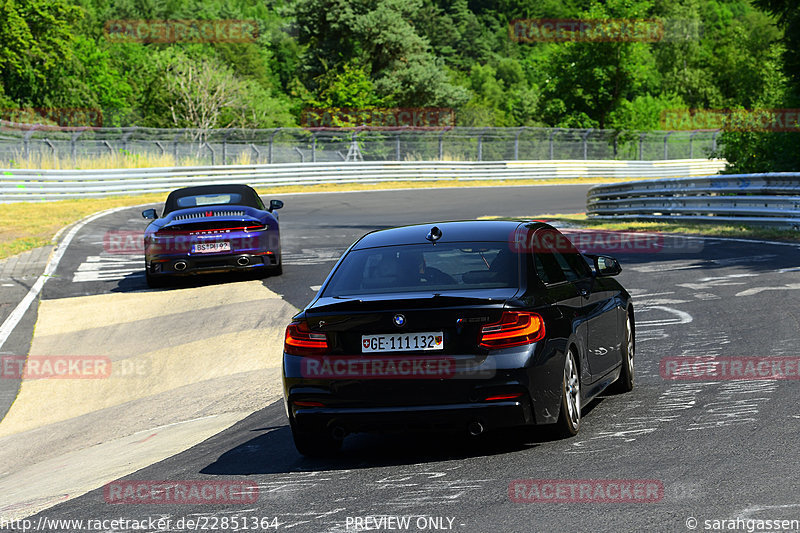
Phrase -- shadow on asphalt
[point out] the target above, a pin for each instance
(273, 451)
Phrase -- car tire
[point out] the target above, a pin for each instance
(314, 444)
(277, 270)
(627, 374)
(569, 420)
(154, 282)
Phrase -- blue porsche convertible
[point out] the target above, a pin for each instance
(212, 228)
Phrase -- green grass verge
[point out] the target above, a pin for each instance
(707, 229)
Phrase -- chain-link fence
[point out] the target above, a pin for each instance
(25, 145)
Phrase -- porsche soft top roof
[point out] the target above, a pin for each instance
(249, 196)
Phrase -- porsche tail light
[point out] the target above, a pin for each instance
(515, 328)
(300, 340)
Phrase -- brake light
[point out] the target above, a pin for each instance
(300, 340)
(503, 397)
(514, 329)
(308, 404)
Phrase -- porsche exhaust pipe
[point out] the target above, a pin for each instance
(243, 261)
(475, 428)
(180, 266)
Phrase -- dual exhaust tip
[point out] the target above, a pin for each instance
(180, 266)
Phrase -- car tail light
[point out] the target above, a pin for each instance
(300, 340)
(514, 329)
(503, 397)
(303, 403)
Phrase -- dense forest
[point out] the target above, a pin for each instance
(296, 55)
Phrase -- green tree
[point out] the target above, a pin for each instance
(35, 35)
(378, 36)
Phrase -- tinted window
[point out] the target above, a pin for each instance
(446, 266)
(547, 268)
(556, 258)
(200, 200)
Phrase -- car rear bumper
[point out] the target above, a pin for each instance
(454, 417)
(183, 265)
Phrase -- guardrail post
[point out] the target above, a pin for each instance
(552, 141)
(225, 147)
(26, 141)
(480, 144)
(397, 147)
(110, 148)
(641, 146)
(616, 143)
(302, 155)
(516, 143)
(314, 147)
(586, 144)
(666, 144)
(691, 146)
(127, 136)
(160, 146)
(175, 148)
(72, 148)
(441, 143)
(271, 138)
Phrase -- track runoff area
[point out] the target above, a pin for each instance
(175, 422)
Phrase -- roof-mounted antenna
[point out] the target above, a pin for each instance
(434, 235)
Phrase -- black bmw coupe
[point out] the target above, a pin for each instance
(472, 325)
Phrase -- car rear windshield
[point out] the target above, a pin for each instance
(411, 268)
(199, 200)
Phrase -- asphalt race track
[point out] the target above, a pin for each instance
(194, 392)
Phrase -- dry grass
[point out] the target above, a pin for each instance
(118, 159)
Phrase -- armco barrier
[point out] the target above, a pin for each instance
(18, 185)
(771, 199)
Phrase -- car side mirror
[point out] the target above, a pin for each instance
(275, 204)
(150, 213)
(605, 265)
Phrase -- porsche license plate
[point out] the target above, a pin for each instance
(403, 342)
(211, 247)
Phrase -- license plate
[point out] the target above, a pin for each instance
(211, 247)
(403, 342)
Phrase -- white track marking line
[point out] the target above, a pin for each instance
(16, 315)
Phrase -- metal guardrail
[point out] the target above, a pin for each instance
(771, 199)
(37, 185)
